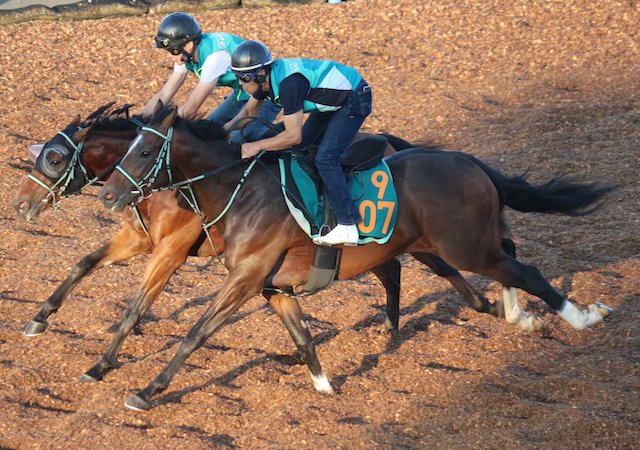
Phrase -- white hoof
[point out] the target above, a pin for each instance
(530, 323)
(321, 383)
(580, 320)
(600, 308)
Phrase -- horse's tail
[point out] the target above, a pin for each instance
(560, 195)
(557, 196)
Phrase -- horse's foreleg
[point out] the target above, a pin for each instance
(288, 309)
(124, 245)
(236, 291)
(167, 257)
(389, 274)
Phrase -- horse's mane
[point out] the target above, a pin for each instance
(108, 117)
(201, 128)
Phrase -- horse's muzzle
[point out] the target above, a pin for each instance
(114, 201)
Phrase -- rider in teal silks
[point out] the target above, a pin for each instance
(208, 56)
(337, 99)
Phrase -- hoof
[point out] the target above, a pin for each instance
(88, 379)
(531, 323)
(538, 325)
(137, 403)
(321, 384)
(34, 328)
(390, 326)
(602, 309)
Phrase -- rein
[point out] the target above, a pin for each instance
(185, 186)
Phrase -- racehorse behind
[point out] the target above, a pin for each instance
(449, 206)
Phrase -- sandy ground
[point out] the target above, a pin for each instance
(547, 87)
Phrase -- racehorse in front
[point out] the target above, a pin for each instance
(450, 205)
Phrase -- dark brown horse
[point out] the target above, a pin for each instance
(449, 206)
(87, 151)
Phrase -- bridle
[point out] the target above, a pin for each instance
(65, 179)
(74, 165)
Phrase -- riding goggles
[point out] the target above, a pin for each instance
(163, 43)
(175, 51)
(246, 77)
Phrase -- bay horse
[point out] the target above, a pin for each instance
(450, 205)
(86, 152)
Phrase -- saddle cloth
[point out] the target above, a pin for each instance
(372, 189)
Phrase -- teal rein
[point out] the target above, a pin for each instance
(163, 158)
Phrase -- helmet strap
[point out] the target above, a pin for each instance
(186, 56)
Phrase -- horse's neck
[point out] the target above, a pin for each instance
(193, 158)
(104, 149)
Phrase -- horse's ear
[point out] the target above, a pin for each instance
(79, 136)
(158, 107)
(75, 122)
(171, 117)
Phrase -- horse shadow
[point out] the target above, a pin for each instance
(447, 310)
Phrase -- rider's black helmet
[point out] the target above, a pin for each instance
(177, 29)
(249, 56)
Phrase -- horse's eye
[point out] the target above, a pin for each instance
(145, 154)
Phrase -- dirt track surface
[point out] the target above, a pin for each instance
(550, 89)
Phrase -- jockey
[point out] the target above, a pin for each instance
(208, 56)
(338, 100)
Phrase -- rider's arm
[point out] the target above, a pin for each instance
(199, 94)
(292, 134)
(250, 109)
(167, 92)
(293, 92)
(214, 66)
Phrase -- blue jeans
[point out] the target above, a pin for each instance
(334, 132)
(254, 130)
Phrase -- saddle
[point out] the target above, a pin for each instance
(361, 155)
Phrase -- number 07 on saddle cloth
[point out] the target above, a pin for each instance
(372, 190)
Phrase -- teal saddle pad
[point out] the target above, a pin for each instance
(372, 190)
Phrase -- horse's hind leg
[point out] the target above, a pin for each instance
(389, 274)
(290, 313)
(514, 274)
(510, 305)
(165, 260)
(124, 245)
(478, 302)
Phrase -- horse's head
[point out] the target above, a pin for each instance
(74, 158)
(55, 172)
(148, 153)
